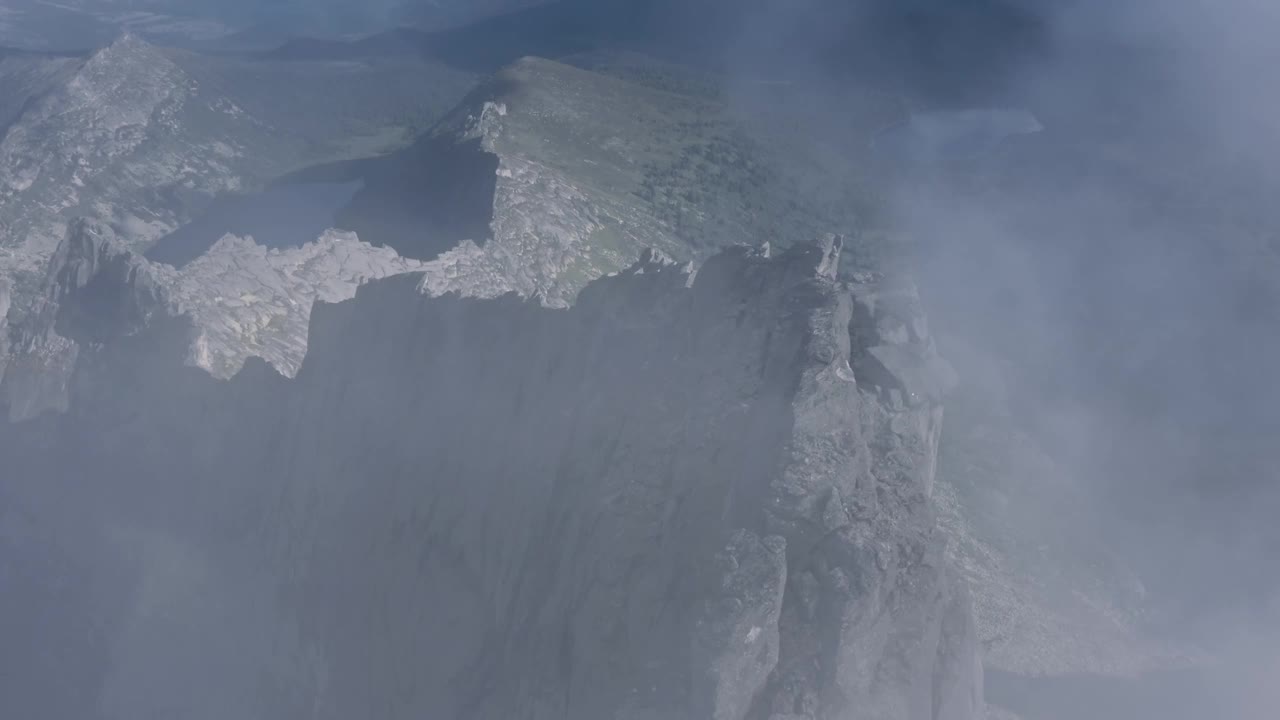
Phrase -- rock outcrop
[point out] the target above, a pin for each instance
(242, 299)
(96, 290)
(116, 141)
(677, 498)
(137, 141)
(246, 300)
(548, 176)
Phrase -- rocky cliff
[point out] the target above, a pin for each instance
(682, 497)
(136, 141)
(549, 175)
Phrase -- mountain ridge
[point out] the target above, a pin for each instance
(682, 509)
(133, 141)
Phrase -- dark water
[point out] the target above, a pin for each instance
(422, 200)
(281, 216)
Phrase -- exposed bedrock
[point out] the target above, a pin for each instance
(680, 498)
(115, 295)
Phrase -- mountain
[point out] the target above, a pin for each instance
(557, 174)
(128, 123)
(957, 53)
(141, 140)
(242, 299)
(544, 179)
(740, 458)
(135, 126)
(463, 455)
(497, 197)
(1085, 610)
(709, 449)
(342, 109)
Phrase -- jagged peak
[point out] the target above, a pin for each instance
(127, 39)
(85, 241)
(126, 45)
(653, 257)
(831, 246)
(129, 59)
(125, 293)
(88, 226)
(84, 235)
(818, 258)
(122, 82)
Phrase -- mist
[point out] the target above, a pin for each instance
(1105, 284)
(1082, 192)
(1114, 274)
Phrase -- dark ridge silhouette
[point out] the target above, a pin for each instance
(945, 51)
(550, 31)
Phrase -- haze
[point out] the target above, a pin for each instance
(1079, 196)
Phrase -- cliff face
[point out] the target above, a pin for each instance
(682, 497)
(241, 299)
(137, 141)
(549, 175)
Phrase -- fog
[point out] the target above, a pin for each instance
(1109, 279)
(1085, 193)
(1119, 270)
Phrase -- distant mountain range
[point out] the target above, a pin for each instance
(80, 24)
(945, 48)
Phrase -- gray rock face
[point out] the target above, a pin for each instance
(104, 142)
(642, 167)
(675, 499)
(135, 140)
(242, 299)
(126, 122)
(248, 300)
(98, 290)
(591, 169)
(736, 641)
(114, 294)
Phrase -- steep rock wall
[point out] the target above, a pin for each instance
(679, 498)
